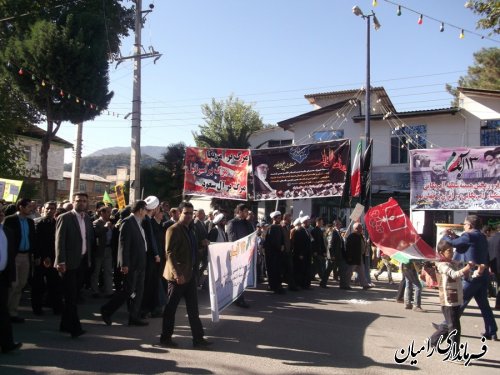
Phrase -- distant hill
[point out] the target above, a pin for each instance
(152, 151)
(105, 165)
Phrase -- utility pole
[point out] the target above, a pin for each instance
(75, 171)
(139, 54)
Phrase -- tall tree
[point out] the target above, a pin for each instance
(228, 124)
(490, 11)
(484, 74)
(56, 57)
(166, 179)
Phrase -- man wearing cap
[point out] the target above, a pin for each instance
(132, 262)
(150, 300)
(274, 244)
(218, 232)
(302, 253)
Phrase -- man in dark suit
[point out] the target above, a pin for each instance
(74, 241)
(22, 237)
(7, 274)
(336, 263)
(102, 258)
(181, 247)
(45, 276)
(132, 262)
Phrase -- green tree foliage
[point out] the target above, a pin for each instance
(484, 74)
(490, 11)
(14, 115)
(66, 44)
(166, 179)
(228, 124)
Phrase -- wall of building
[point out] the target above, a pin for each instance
(55, 162)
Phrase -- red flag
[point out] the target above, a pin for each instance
(356, 172)
(392, 232)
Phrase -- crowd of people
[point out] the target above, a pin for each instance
(150, 256)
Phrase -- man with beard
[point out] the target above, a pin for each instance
(301, 242)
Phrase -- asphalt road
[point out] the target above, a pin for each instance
(319, 331)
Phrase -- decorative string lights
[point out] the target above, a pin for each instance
(64, 94)
(421, 16)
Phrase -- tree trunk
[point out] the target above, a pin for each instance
(44, 154)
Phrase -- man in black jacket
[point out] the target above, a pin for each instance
(132, 260)
(336, 263)
(45, 276)
(238, 228)
(274, 244)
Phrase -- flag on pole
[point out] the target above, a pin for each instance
(107, 199)
(392, 232)
(356, 172)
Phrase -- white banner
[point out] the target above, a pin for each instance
(231, 269)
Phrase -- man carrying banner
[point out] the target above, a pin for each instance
(181, 247)
(238, 228)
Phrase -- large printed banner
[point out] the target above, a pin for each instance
(216, 172)
(10, 189)
(305, 171)
(231, 269)
(392, 232)
(461, 178)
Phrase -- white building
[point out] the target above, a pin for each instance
(341, 114)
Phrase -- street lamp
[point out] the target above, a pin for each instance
(358, 12)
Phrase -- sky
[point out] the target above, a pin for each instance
(272, 53)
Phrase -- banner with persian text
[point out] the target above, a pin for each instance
(461, 178)
(10, 189)
(307, 171)
(232, 267)
(216, 172)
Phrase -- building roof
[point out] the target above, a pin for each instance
(379, 91)
(468, 90)
(408, 114)
(87, 177)
(286, 124)
(33, 131)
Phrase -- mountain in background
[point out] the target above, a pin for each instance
(105, 165)
(152, 151)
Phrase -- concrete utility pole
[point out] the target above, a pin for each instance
(139, 54)
(75, 171)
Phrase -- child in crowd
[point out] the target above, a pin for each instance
(450, 292)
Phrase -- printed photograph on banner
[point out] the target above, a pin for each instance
(306, 171)
(216, 172)
(462, 178)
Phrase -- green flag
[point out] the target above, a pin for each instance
(107, 199)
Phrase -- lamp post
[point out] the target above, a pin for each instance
(358, 12)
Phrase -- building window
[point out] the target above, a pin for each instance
(27, 153)
(83, 186)
(328, 135)
(283, 142)
(407, 138)
(98, 188)
(490, 132)
(62, 185)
